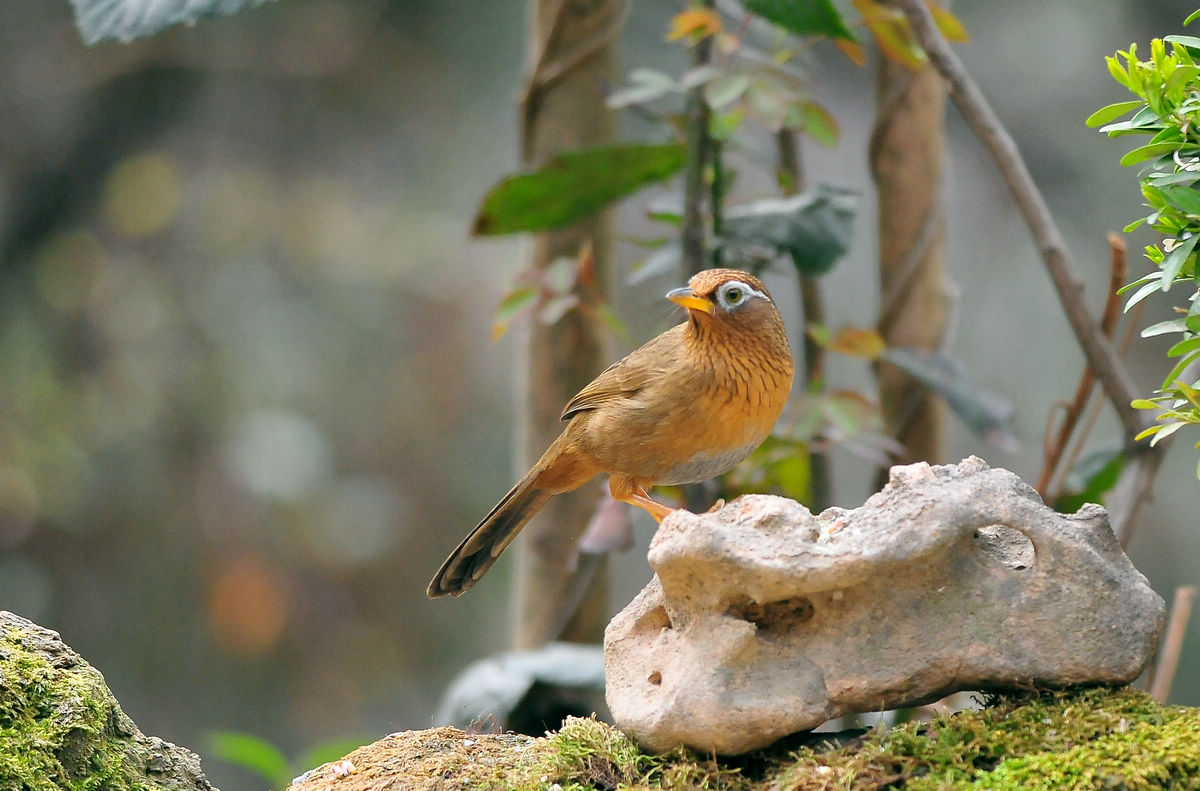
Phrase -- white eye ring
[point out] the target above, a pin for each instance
(735, 293)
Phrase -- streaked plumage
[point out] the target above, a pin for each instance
(685, 407)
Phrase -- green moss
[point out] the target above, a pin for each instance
(1083, 738)
(58, 726)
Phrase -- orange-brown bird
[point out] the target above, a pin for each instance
(685, 407)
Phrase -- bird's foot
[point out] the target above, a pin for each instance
(717, 506)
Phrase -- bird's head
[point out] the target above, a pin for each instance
(726, 296)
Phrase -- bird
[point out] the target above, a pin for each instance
(685, 407)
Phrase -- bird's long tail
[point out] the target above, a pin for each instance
(479, 550)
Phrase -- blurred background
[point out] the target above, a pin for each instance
(248, 399)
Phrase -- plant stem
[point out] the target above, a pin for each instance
(1108, 321)
(1168, 657)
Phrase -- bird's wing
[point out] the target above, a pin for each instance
(626, 376)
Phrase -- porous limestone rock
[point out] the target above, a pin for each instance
(763, 620)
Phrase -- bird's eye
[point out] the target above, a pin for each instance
(734, 295)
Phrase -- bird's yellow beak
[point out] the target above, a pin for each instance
(690, 299)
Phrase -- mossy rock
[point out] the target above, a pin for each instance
(1094, 738)
(62, 729)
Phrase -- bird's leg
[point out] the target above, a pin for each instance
(628, 492)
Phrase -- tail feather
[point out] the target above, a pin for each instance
(483, 545)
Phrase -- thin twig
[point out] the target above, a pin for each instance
(1051, 467)
(1003, 150)
(1168, 655)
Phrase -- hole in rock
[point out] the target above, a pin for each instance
(655, 619)
(774, 616)
(655, 678)
(1005, 545)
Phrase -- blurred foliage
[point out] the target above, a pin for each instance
(1168, 110)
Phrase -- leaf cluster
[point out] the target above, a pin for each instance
(1167, 110)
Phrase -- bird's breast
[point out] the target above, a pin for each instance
(705, 464)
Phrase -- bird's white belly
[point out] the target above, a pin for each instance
(703, 465)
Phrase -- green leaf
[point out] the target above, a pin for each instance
(1166, 431)
(1192, 17)
(1146, 290)
(1173, 264)
(1177, 371)
(573, 186)
(1147, 432)
(1148, 152)
(803, 17)
(1183, 347)
(1163, 327)
(1185, 198)
(251, 752)
(819, 124)
(1111, 112)
(1091, 479)
(1182, 177)
(814, 228)
(1143, 403)
(987, 414)
(1187, 41)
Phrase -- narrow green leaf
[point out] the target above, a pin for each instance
(1187, 41)
(1191, 18)
(573, 186)
(1143, 153)
(1163, 327)
(1143, 403)
(1177, 371)
(1173, 264)
(1182, 177)
(1184, 347)
(1167, 431)
(1185, 198)
(803, 17)
(1118, 72)
(1146, 432)
(251, 752)
(1112, 112)
(1146, 290)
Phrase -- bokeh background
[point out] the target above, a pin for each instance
(248, 399)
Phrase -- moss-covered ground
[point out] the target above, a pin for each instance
(1090, 738)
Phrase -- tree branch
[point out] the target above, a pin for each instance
(987, 126)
